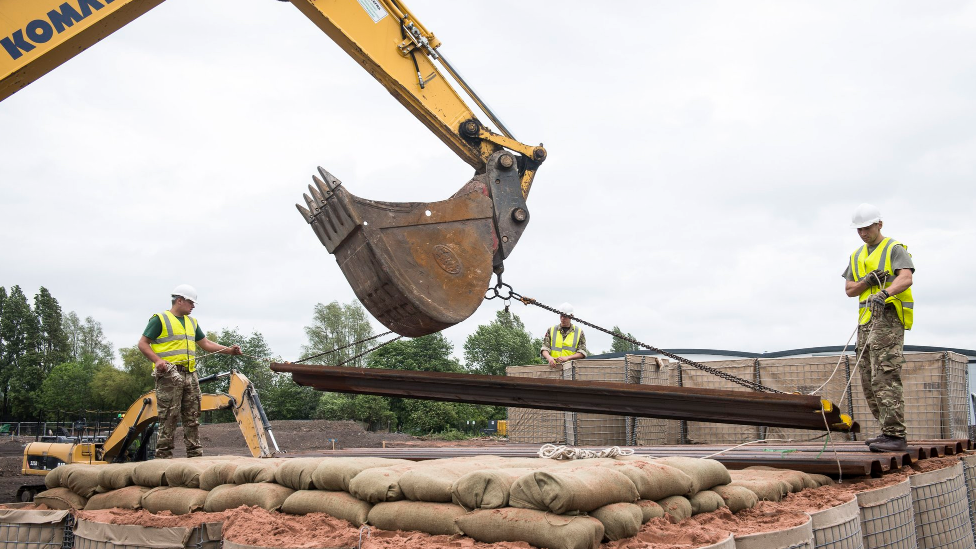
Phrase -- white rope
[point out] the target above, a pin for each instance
(551, 451)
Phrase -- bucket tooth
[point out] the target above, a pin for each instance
(417, 267)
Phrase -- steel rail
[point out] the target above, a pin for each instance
(680, 403)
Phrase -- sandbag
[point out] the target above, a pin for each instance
(569, 491)
(53, 477)
(620, 520)
(487, 489)
(336, 473)
(60, 499)
(266, 495)
(649, 510)
(676, 507)
(186, 473)
(704, 473)
(797, 480)
(768, 487)
(706, 501)
(297, 473)
(336, 504)
(434, 483)
(523, 463)
(653, 480)
(80, 479)
(151, 473)
(821, 480)
(256, 472)
(115, 476)
(129, 497)
(436, 519)
(218, 474)
(765, 489)
(736, 498)
(537, 528)
(379, 484)
(175, 499)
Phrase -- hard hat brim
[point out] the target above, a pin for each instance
(864, 224)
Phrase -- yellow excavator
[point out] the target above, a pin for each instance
(130, 440)
(417, 267)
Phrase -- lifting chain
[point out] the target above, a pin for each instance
(364, 340)
(505, 292)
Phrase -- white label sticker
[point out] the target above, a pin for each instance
(374, 9)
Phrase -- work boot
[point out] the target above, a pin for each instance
(872, 440)
(890, 444)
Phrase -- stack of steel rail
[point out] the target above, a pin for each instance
(683, 403)
(849, 459)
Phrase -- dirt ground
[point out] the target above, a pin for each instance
(294, 437)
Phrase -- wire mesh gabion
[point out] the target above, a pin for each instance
(942, 509)
(18, 531)
(969, 475)
(90, 535)
(887, 517)
(838, 527)
(936, 404)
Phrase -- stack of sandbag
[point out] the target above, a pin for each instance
(555, 504)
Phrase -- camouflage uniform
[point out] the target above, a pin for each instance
(178, 398)
(880, 367)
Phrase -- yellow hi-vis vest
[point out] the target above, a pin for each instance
(863, 263)
(176, 344)
(560, 346)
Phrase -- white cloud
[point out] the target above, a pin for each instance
(699, 152)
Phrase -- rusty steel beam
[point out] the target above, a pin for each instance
(681, 403)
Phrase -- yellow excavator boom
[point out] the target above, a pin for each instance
(417, 267)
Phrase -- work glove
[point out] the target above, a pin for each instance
(877, 301)
(875, 278)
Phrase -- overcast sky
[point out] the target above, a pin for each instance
(704, 162)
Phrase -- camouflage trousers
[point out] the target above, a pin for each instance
(178, 398)
(879, 344)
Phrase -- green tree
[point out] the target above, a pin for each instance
(20, 372)
(53, 341)
(336, 325)
(430, 353)
(86, 340)
(253, 363)
(67, 387)
(500, 343)
(372, 410)
(115, 389)
(288, 400)
(620, 345)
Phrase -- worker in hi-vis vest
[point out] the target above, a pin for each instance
(564, 341)
(170, 341)
(879, 274)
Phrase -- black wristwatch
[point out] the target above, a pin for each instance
(885, 292)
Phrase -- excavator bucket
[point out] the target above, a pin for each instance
(420, 267)
(417, 267)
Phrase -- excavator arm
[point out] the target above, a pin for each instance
(417, 267)
(241, 398)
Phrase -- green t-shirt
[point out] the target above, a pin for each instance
(155, 327)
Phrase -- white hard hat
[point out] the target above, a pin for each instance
(865, 215)
(186, 291)
(566, 308)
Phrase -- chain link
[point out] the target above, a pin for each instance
(512, 294)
